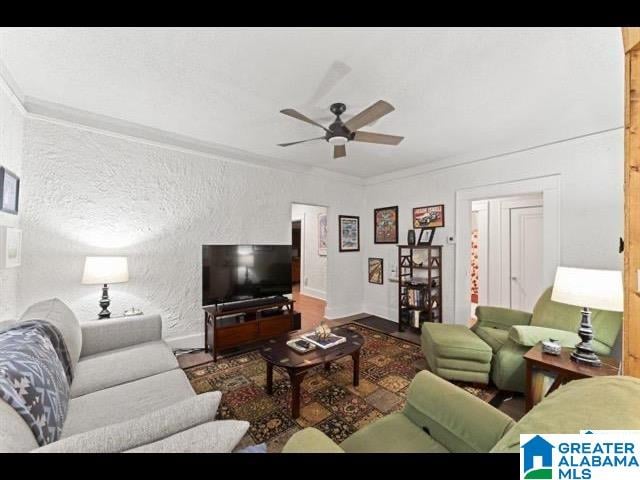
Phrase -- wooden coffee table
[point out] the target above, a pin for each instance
(277, 354)
(562, 367)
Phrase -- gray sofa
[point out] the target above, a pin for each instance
(128, 393)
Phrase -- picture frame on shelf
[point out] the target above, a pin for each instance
(10, 247)
(426, 236)
(376, 271)
(9, 191)
(431, 216)
(348, 233)
(322, 234)
(385, 225)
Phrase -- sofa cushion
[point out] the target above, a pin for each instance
(310, 440)
(494, 337)
(212, 437)
(126, 401)
(108, 369)
(455, 341)
(56, 312)
(528, 336)
(394, 433)
(599, 403)
(508, 370)
(15, 434)
(546, 313)
(136, 432)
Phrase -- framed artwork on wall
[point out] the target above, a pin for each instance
(322, 234)
(385, 223)
(428, 217)
(9, 191)
(376, 271)
(10, 247)
(349, 233)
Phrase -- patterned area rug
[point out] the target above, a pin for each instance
(329, 401)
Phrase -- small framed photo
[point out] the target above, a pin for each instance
(9, 191)
(385, 223)
(349, 233)
(322, 234)
(10, 247)
(428, 217)
(426, 236)
(376, 271)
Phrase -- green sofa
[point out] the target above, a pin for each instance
(501, 336)
(440, 417)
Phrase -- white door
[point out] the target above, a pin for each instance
(526, 257)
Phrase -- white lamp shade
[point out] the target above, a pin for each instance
(98, 270)
(600, 289)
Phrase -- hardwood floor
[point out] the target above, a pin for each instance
(312, 309)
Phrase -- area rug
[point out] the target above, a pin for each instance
(329, 401)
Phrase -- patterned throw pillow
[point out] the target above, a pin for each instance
(33, 379)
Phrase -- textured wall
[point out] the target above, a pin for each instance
(11, 131)
(314, 266)
(94, 194)
(591, 207)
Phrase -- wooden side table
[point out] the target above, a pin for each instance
(564, 369)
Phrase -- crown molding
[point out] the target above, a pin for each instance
(9, 86)
(61, 114)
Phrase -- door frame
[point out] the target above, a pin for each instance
(548, 186)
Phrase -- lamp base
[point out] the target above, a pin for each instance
(104, 303)
(590, 359)
(584, 351)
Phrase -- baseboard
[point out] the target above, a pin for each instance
(313, 292)
(334, 313)
(194, 340)
(382, 311)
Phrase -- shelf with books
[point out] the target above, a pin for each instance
(419, 285)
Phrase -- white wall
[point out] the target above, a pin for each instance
(89, 193)
(11, 133)
(313, 268)
(590, 175)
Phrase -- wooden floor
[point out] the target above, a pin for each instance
(311, 309)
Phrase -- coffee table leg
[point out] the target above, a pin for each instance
(269, 378)
(356, 367)
(327, 366)
(296, 381)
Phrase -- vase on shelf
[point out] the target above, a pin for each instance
(411, 237)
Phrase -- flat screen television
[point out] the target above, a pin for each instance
(232, 273)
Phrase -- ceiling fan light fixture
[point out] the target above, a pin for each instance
(338, 140)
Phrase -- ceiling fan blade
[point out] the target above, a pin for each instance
(336, 72)
(368, 115)
(339, 151)
(371, 137)
(295, 114)
(301, 141)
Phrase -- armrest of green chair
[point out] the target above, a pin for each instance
(458, 420)
(528, 335)
(310, 440)
(503, 318)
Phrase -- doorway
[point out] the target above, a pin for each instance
(507, 240)
(309, 261)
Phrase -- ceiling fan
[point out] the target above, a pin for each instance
(339, 132)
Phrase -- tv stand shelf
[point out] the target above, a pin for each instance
(239, 324)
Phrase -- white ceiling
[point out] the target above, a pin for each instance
(457, 92)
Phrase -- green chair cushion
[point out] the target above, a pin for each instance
(492, 336)
(310, 440)
(599, 403)
(500, 317)
(454, 341)
(528, 336)
(546, 313)
(508, 369)
(466, 365)
(394, 433)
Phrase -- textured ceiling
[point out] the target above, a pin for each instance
(457, 92)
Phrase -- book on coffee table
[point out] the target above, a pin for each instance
(301, 345)
(325, 343)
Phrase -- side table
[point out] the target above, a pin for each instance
(562, 367)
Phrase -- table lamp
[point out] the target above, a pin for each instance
(105, 270)
(587, 288)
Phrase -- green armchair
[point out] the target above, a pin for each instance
(440, 417)
(506, 335)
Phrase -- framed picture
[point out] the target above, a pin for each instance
(428, 217)
(10, 247)
(385, 222)
(9, 191)
(349, 233)
(322, 234)
(426, 236)
(376, 271)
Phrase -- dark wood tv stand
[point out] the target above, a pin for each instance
(239, 324)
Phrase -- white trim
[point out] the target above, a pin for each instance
(549, 186)
(194, 340)
(312, 292)
(9, 86)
